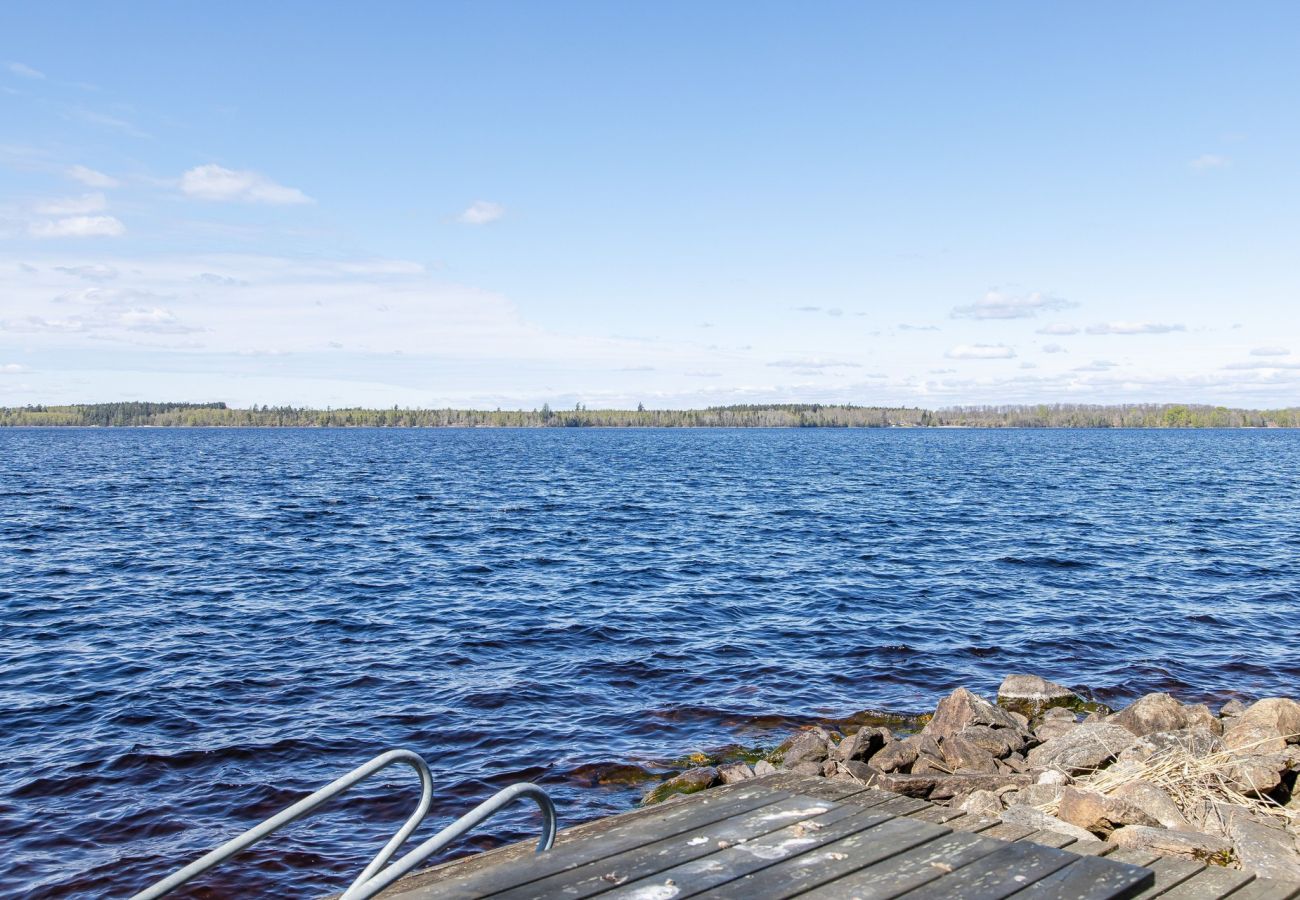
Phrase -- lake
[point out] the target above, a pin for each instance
(200, 626)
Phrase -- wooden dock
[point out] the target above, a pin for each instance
(786, 836)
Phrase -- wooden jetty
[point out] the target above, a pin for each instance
(785, 836)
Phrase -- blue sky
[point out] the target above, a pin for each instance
(495, 204)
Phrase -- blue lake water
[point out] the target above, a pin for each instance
(198, 627)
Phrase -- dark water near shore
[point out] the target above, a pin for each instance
(197, 627)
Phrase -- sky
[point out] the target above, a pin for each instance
(679, 204)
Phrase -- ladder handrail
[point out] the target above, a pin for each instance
(372, 879)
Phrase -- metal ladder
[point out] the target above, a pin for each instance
(375, 877)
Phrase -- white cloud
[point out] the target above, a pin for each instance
(1054, 348)
(1210, 161)
(1097, 365)
(92, 178)
(77, 226)
(481, 212)
(980, 351)
(72, 206)
(1028, 365)
(12, 369)
(906, 327)
(996, 305)
(813, 364)
(213, 182)
(1270, 351)
(23, 71)
(1262, 364)
(1133, 328)
(94, 272)
(1058, 328)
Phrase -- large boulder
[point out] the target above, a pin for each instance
(688, 782)
(1099, 813)
(895, 757)
(1029, 817)
(963, 755)
(961, 709)
(1029, 694)
(1000, 742)
(1188, 845)
(1088, 747)
(1265, 727)
(1266, 851)
(812, 745)
(862, 744)
(1161, 712)
(1152, 801)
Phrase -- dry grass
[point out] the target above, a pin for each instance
(1194, 782)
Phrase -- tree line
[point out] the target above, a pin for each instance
(784, 415)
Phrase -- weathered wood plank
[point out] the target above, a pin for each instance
(973, 824)
(727, 865)
(653, 857)
(900, 806)
(1170, 873)
(1092, 848)
(1267, 889)
(1050, 839)
(465, 865)
(619, 834)
(1212, 881)
(830, 861)
(1089, 878)
(898, 874)
(1133, 857)
(998, 875)
(1006, 832)
(939, 815)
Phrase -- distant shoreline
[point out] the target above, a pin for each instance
(1153, 416)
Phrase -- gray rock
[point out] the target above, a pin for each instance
(1153, 801)
(1088, 747)
(1258, 775)
(997, 741)
(926, 764)
(1233, 707)
(1054, 728)
(1197, 742)
(1268, 852)
(1054, 776)
(1185, 844)
(963, 755)
(1060, 712)
(1265, 727)
(688, 782)
(829, 767)
(1099, 813)
(945, 787)
(1029, 817)
(961, 709)
(1154, 712)
(730, 774)
(856, 770)
(807, 767)
(763, 767)
(1014, 763)
(812, 745)
(982, 803)
(1036, 795)
(863, 744)
(1029, 695)
(894, 757)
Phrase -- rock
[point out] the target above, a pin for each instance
(1054, 776)
(1029, 817)
(1060, 712)
(997, 741)
(1035, 795)
(1053, 728)
(812, 745)
(1199, 716)
(961, 709)
(1258, 775)
(1014, 763)
(1266, 726)
(1154, 712)
(1197, 742)
(763, 767)
(1030, 694)
(1268, 852)
(963, 755)
(982, 803)
(1099, 813)
(735, 772)
(807, 767)
(1233, 707)
(1085, 748)
(856, 770)
(926, 764)
(863, 744)
(945, 787)
(894, 757)
(1153, 801)
(1185, 844)
(829, 768)
(688, 782)
(1094, 717)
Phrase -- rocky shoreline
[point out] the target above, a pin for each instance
(1159, 775)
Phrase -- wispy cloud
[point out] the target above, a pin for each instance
(1270, 351)
(72, 206)
(213, 182)
(813, 364)
(1059, 328)
(1210, 161)
(481, 212)
(77, 226)
(24, 71)
(997, 305)
(12, 369)
(93, 272)
(1054, 348)
(1263, 364)
(98, 118)
(1134, 328)
(981, 351)
(1097, 365)
(92, 178)
(906, 327)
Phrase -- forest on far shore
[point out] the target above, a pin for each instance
(785, 415)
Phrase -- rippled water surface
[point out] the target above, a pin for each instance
(197, 627)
